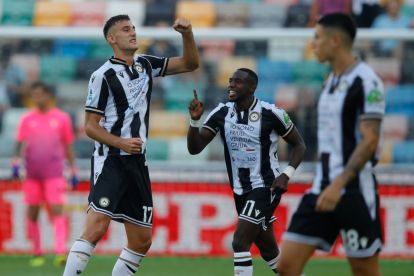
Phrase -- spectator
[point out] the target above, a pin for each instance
(392, 19)
(365, 12)
(15, 78)
(322, 7)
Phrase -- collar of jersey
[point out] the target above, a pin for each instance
(252, 106)
(119, 61)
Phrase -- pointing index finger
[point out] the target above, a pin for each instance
(195, 94)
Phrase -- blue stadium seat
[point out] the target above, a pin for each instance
(266, 91)
(400, 99)
(309, 72)
(403, 152)
(72, 48)
(276, 71)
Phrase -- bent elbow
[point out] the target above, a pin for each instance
(192, 66)
(88, 129)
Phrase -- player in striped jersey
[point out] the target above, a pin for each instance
(343, 198)
(117, 116)
(249, 129)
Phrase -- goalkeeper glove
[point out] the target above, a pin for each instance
(74, 180)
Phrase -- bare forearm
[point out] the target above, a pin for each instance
(190, 51)
(362, 153)
(97, 133)
(194, 143)
(297, 155)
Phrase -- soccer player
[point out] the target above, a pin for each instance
(45, 135)
(116, 117)
(249, 129)
(343, 198)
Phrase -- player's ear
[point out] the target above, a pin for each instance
(110, 38)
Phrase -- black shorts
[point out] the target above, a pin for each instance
(120, 188)
(257, 206)
(358, 225)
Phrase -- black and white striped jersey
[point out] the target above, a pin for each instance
(355, 95)
(122, 94)
(250, 142)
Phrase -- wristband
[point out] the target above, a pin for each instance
(195, 123)
(289, 171)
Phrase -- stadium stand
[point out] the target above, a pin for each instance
(201, 14)
(52, 13)
(18, 12)
(266, 15)
(286, 67)
(86, 13)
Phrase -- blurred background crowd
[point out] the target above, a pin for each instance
(289, 76)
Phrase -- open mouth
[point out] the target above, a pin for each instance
(232, 93)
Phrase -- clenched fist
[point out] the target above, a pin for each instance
(182, 25)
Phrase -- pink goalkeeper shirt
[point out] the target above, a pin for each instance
(45, 136)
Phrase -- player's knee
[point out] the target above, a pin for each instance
(140, 244)
(147, 244)
(287, 267)
(95, 233)
(239, 245)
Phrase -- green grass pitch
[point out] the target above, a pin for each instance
(17, 265)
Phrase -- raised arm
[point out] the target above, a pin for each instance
(189, 60)
(197, 139)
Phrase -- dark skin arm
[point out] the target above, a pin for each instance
(295, 140)
(197, 139)
(370, 130)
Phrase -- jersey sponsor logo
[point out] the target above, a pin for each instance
(104, 202)
(135, 87)
(256, 212)
(121, 74)
(254, 117)
(375, 96)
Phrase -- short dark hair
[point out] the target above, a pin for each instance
(112, 21)
(340, 21)
(252, 75)
(44, 86)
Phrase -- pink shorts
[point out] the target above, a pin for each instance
(50, 191)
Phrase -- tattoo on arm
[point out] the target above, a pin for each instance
(364, 151)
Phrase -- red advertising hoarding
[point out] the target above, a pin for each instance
(195, 219)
